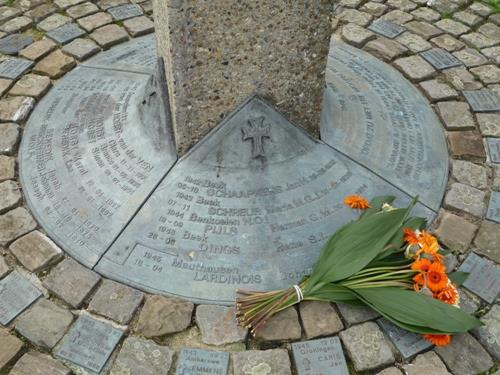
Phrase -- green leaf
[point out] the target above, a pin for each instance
(377, 203)
(458, 278)
(332, 292)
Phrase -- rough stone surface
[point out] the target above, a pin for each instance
(7, 13)
(493, 53)
(71, 282)
(282, 326)
(17, 24)
(390, 371)
(109, 35)
(375, 9)
(470, 57)
(424, 29)
(470, 174)
(12, 44)
(16, 109)
(426, 14)
(35, 251)
(94, 21)
(140, 356)
(448, 42)
(63, 4)
(106, 4)
(254, 362)
(489, 334)
(488, 240)
(367, 346)
(354, 314)
(456, 115)
(355, 16)
(468, 301)
(356, 35)
(465, 198)
(468, 18)
(481, 9)
(319, 319)
(5, 85)
(385, 49)
(7, 167)
(465, 356)
(116, 301)
(397, 16)
(139, 26)
(436, 90)
(54, 65)
(31, 85)
(218, 325)
(452, 27)
(38, 49)
(11, 347)
(34, 363)
(467, 144)
(461, 79)
(82, 10)
(14, 224)
(10, 195)
(161, 315)
(414, 42)
(9, 136)
(491, 31)
(487, 73)
(455, 232)
(415, 67)
(42, 11)
(478, 40)
(44, 324)
(53, 22)
(4, 267)
(81, 49)
(428, 363)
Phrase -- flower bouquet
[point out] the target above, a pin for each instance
(385, 260)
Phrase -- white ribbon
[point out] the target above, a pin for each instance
(300, 296)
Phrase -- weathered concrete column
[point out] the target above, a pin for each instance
(218, 52)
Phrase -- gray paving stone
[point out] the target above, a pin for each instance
(468, 18)
(436, 90)
(274, 361)
(11, 347)
(44, 324)
(9, 136)
(397, 16)
(488, 240)
(66, 33)
(448, 42)
(109, 35)
(414, 42)
(493, 146)
(461, 79)
(12, 68)
(484, 100)
(481, 9)
(10, 195)
(452, 27)
(493, 53)
(53, 22)
(487, 73)
(465, 198)
(81, 49)
(350, 3)
(319, 319)
(390, 371)
(12, 44)
(140, 356)
(5, 84)
(31, 85)
(445, 6)
(403, 5)
(139, 26)
(354, 314)
(373, 8)
(465, 356)
(82, 10)
(41, 12)
(355, 16)
(17, 294)
(385, 49)
(106, 4)
(14, 224)
(54, 65)
(470, 174)
(35, 251)
(17, 24)
(34, 363)
(218, 325)
(415, 68)
(4, 267)
(63, 4)
(441, 59)
(467, 144)
(491, 31)
(7, 13)
(478, 40)
(7, 167)
(71, 282)
(426, 14)
(424, 29)
(456, 115)
(367, 347)
(116, 301)
(161, 315)
(495, 18)
(386, 28)
(468, 302)
(38, 49)
(124, 12)
(16, 108)
(428, 363)
(282, 326)
(356, 35)
(489, 334)
(94, 21)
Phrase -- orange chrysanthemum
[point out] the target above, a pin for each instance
(437, 279)
(356, 201)
(410, 236)
(448, 295)
(438, 340)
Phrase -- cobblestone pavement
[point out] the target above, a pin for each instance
(444, 49)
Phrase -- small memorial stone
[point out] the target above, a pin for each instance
(322, 356)
(199, 362)
(124, 12)
(440, 58)
(407, 343)
(34, 363)
(386, 28)
(89, 343)
(66, 33)
(218, 325)
(274, 361)
(12, 44)
(16, 294)
(494, 149)
(484, 277)
(81, 48)
(12, 68)
(493, 212)
(484, 100)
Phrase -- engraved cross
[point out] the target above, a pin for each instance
(256, 130)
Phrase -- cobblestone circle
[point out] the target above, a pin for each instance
(147, 332)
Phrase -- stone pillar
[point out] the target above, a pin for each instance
(219, 52)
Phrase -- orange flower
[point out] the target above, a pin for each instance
(410, 236)
(448, 295)
(356, 201)
(421, 265)
(430, 245)
(438, 340)
(436, 277)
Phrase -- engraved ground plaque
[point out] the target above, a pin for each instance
(484, 278)
(250, 206)
(89, 343)
(12, 44)
(406, 342)
(440, 58)
(320, 357)
(494, 149)
(494, 207)
(123, 12)
(484, 100)
(200, 362)
(66, 33)
(16, 294)
(14, 67)
(386, 28)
